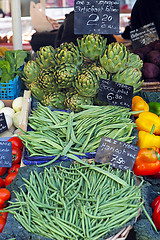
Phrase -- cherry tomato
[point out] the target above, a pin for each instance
(2, 223)
(3, 170)
(10, 177)
(14, 168)
(3, 214)
(16, 155)
(1, 182)
(4, 194)
(16, 142)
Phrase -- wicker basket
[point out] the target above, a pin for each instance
(151, 87)
(121, 235)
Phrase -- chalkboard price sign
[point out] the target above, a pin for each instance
(96, 16)
(120, 154)
(3, 124)
(5, 154)
(144, 35)
(115, 93)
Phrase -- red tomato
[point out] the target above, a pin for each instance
(1, 182)
(10, 177)
(16, 155)
(3, 170)
(16, 142)
(14, 168)
(4, 194)
(2, 203)
(156, 216)
(2, 223)
(155, 202)
(3, 214)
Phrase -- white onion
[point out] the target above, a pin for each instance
(17, 104)
(8, 111)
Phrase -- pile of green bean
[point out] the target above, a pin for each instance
(58, 132)
(76, 203)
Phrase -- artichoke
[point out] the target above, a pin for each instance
(92, 46)
(76, 101)
(54, 100)
(36, 91)
(135, 61)
(130, 76)
(115, 58)
(45, 57)
(46, 81)
(87, 83)
(68, 53)
(64, 75)
(30, 71)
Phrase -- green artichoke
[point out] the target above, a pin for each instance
(36, 91)
(54, 100)
(45, 57)
(130, 76)
(76, 101)
(86, 83)
(92, 46)
(115, 58)
(46, 81)
(64, 75)
(30, 71)
(135, 61)
(68, 53)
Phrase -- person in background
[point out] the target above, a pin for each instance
(145, 12)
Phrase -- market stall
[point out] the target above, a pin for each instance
(79, 141)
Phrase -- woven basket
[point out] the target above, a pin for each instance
(121, 235)
(151, 87)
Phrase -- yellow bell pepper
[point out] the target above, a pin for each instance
(146, 120)
(147, 140)
(138, 104)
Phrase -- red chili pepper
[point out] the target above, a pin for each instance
(155, 202)
(156, 216)
(147, 162)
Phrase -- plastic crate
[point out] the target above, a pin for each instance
(10, 90)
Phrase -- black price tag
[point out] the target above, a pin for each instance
(5, 154)
(98, 17)
(114, 93)
(144, 35)
(3, 124)
(120, 154)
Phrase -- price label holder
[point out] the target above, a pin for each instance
(98, 17)
(3, 123)
(120, 154)
(5, 154)
(144, 35)
(114, 93)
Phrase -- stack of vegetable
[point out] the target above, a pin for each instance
(12, 116)
(150, 54)
(69, 75)
(83, 201)
(58, 133)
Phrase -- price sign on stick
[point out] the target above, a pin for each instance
(115, 93)
(96, 16)
(120, 154)
(3, 124)
(5, 154)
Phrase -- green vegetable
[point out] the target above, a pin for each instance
(64, 203)
(154, 107)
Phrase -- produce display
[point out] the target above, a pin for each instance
(69, 76)
(76, 202)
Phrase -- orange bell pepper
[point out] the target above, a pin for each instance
(138, 104)
(147, 162)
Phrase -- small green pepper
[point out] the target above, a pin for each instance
(154, 107)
